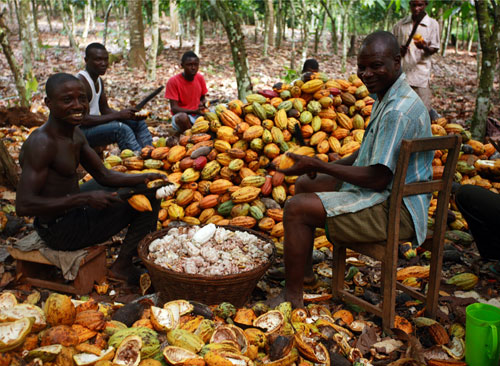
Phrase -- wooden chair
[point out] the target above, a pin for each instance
(387, 251)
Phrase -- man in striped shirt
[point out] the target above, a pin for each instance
(350, 196)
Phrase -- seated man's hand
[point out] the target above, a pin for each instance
(148, 177)
(202, 108)
(128, 114)
(102, 199)
(303, 165)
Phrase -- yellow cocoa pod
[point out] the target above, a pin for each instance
(140, 202)
(281, 119)
(278, 230)
(253, 180)
(317, 138)
(279, 194)
(253, 132)
(349, 148)
(245, 194)
(176, 153)
(312, 86)
(175, 212)
(334, 144)
(222, 145)
(344, 121)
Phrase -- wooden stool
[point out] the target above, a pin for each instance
(36, 270)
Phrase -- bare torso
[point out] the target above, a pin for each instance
(63, 159)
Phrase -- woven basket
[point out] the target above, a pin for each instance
(209, 290)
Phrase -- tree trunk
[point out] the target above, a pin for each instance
(387, 19)
(457, 41)
(19, 21)
(470, 31)
(8, 168)
(256, 28)
(326, 6)
(137, 53)
(174, 19)
(489, 37)
(34, 7)
(33, 31)
(86, 18)
(73, 19)
(270, 30)
(155, 30)
(24, 9)
(106, 21)
(14, 67)
(292, 58)
(64, 18)
(345, 26)
(47, 14)
(229, 18)
(279, 23)
(266, 31)
(447, 36)
(305, 32)
(199, 29)
(181, 31)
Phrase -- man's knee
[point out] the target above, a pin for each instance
(294, 207)
(182, 122)
(302, 184)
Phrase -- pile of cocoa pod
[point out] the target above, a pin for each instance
(226, 163)
(60, 331)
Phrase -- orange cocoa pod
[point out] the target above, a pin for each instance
(278, 179)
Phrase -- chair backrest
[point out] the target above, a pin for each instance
(401, 189)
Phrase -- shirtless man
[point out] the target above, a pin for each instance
(104, 125)
(67, 217)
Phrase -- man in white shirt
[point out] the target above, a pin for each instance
(417, 62)
(104, 125)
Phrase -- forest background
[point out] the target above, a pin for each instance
(244, 45)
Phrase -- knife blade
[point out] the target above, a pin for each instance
(150, 96)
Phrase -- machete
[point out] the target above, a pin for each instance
(143, 102)
(415, 26)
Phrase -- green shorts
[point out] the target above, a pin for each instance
(368, 225)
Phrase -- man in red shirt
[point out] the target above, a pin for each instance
(186, 92)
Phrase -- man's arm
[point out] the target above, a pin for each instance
(174, 107)
(107, 114)
(375, 177)
(37, 157)
(108, 177)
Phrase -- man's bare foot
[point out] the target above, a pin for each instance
(130, 274)
(282, 297)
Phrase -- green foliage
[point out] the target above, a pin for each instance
(290, 74)
(31, 86)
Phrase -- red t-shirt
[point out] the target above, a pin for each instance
(186, 93)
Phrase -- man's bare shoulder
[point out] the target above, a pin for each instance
(39, 147)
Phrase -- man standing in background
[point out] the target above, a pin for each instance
(417, 63)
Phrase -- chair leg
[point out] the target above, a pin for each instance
(339, 254)
(388, 292)
(434, 281)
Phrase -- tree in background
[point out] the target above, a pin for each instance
(137, 53)
(227, 14)
(488, 20)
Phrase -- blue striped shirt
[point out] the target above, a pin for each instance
(399, 115)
